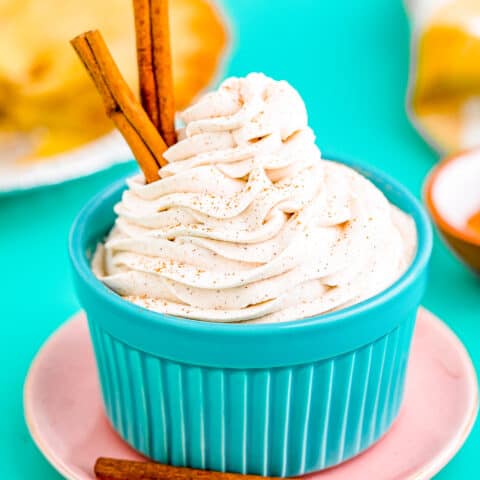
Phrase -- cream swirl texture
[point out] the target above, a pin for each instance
(248, 223)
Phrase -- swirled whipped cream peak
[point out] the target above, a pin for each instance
(247, 223)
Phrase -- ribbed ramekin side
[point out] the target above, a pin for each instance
(365, 396)
(325, 413)
(277, 422)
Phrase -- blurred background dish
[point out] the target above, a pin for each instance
(52, 122)
(452, 195)
(444, 90)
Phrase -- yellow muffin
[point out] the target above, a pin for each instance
(445, 81)
(44, 89)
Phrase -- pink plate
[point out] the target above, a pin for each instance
(65, 416)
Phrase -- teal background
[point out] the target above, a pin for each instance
(349, 60)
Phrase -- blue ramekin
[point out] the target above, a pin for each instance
(275, 399)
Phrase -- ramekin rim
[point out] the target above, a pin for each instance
(422, 255)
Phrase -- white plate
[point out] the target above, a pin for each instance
(98, 155)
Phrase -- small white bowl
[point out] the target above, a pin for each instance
(452, 195)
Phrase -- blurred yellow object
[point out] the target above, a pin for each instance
(444, 98)
(45, 91)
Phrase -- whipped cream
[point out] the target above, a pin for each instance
(248, 223)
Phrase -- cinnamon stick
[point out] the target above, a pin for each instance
(162, 62)
(120, 104)
(155, 65)
(113, 469)
(146, 77)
